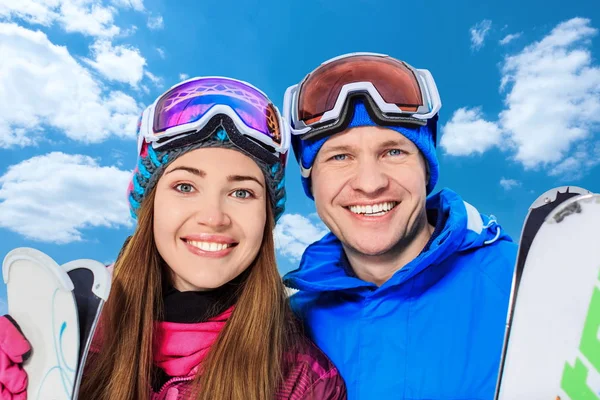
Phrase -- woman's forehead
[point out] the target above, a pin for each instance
(218, 160)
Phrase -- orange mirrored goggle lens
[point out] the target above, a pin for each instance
(394, 80)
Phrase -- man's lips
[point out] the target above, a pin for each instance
(372, 209)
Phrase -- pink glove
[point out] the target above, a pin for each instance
(14, 349)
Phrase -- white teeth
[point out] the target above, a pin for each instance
(209, 246)
(374, 209)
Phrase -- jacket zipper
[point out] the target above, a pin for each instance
(170, 383)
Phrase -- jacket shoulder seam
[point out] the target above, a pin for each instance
(327, 375)
(484, 272)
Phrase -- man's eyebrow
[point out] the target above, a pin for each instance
(195, 171)
(340, 148)
(394, 142)
(241, 178)
(348, 149)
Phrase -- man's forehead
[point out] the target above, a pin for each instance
(371, 136)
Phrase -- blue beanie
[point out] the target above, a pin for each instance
(422, 136)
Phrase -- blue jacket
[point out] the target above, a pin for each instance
(434, 330)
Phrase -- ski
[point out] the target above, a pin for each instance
(40, 298)
(58, 309)
(537, 213)
(92, 282)
(552, 347)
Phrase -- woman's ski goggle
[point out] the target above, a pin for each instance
(394, 92)
(189, 108)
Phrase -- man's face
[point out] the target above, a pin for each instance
(369, 185)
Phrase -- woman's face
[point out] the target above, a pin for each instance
(209, 217)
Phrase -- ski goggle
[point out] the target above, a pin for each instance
(394, 92)
(187, 112)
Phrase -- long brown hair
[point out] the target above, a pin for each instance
(244, 363)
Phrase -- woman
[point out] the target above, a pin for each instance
(197, 308)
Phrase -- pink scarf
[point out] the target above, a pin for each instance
(179, 348)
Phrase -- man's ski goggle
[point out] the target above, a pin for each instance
(189, 108)
(394, 92)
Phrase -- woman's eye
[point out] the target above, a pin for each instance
(242, 194)
(184, 188)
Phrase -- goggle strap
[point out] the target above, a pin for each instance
(253, 147)
(347, 113)
(305, 172)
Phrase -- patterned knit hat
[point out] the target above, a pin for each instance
(152, 163)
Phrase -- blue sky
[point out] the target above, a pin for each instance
(519, 81)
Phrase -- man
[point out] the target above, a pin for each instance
(408, 294)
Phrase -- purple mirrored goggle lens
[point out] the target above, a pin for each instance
(190, 101)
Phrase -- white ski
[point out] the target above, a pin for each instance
(553, 350)
(41, 300)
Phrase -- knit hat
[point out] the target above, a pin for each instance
(152, 163)
(423, 137)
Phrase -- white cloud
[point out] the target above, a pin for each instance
(509, 184)
(118, 156)
(478, 33)
(137, 5)
(509, 38)
(551, 116)
(183, 76)
(156, 23)
(88, 17)
(43, 86)
(161, 52)
(468, 132)
(54, 197)
(118, 63)
(294, 232)
(578, 163)
(156, 80)
(37, 12)
(13, 137)
(128, 31)
(554, 98)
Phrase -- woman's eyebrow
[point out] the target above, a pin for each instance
(191, 170)
(241, 178)
(230, 178)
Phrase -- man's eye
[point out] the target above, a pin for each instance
(184, 188)
(339, 157)
(395, 152)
